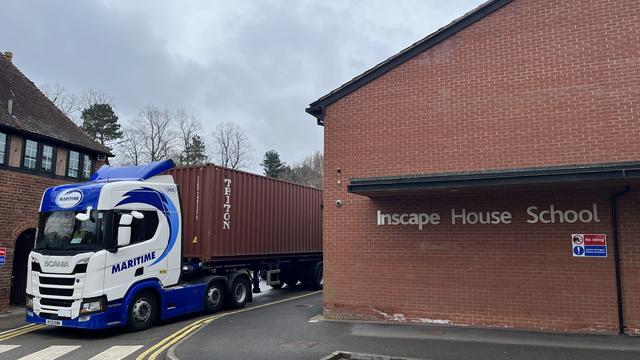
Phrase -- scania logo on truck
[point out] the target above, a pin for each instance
(56, 263)
(69, 198)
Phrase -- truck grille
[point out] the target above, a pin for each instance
(53, 316)
(56, 281)
(56, 302)
(56, 291)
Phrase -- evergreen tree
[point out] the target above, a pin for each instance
(272, 164)
(194, 153)
(100, 123)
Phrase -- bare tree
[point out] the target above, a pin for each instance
(68, 103)
(309, 172)
(231, 147)
(156, 133)
(131, 147)
(92, 97)
(188, 127)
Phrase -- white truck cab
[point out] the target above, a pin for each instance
(108, 253)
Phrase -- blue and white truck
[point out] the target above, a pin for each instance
(109, 252)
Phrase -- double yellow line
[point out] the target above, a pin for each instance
(157, 349)
(20, 331)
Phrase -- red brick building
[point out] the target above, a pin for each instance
(504, 137)
(39, 147)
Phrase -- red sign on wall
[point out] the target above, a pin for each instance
(595, 239)
(3, 251)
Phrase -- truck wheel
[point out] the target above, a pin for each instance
(316, 279)
(239, 293)
(142, 311)
(214, 297)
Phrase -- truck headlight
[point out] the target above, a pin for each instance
(93, 305)
(29, 302)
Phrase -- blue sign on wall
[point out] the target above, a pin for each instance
(1, 260)
(589, 245)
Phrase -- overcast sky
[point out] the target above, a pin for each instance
(256, 63)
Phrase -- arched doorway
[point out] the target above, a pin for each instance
(24, 245)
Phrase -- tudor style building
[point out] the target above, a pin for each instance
(489, 174)
(39, 147)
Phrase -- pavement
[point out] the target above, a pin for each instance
(292, 330)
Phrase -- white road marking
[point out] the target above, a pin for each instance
(5, 348)
(116, 352)
(50, 353)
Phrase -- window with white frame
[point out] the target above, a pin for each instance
(86, 166)
(3, 147)
(30, 158)
(73, 167)
(46, 161)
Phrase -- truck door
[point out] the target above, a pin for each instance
(129, 264)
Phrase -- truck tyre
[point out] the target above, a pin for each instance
(239, 292)
(142, 311)
(214, 297)
(315, 279)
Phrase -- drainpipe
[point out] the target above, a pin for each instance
(614, 225)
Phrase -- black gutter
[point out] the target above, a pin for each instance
(614, 226)
(369, 186)
(317, 107)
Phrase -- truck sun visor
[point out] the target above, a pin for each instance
(133, 173)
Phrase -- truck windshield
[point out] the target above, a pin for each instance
(60, 231)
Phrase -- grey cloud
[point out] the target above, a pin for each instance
(255, 63)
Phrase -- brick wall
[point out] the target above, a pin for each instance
(537, 83)
(20, 199)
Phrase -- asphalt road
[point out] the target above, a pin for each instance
(289, 330)
(283, 324)
(48, 342)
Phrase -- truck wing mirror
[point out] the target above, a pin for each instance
(124, 236)
(124, 230)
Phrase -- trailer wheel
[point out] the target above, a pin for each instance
(316, 280)
(142, 311)
(214, 297)
(239, 293)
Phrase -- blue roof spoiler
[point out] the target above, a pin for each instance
(132, 173)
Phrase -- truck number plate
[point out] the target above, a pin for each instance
(53, 322)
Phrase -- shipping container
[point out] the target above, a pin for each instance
(231, 215)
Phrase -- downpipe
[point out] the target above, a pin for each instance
(615, 231)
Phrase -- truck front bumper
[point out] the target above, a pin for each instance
(111, 317)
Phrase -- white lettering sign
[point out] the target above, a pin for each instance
(226, 216)
(462, 216)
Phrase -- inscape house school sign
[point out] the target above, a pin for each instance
(535, 215)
